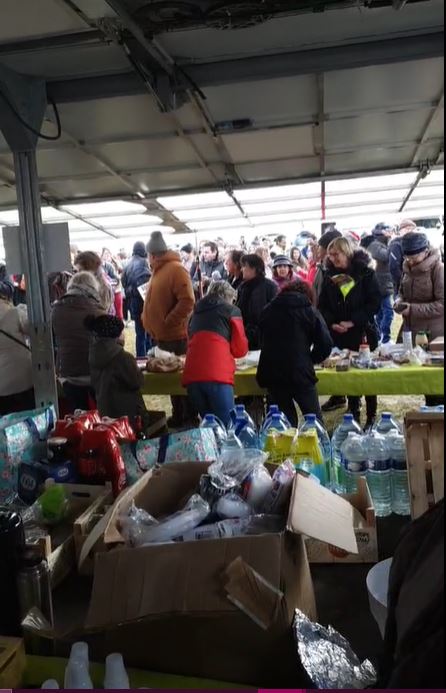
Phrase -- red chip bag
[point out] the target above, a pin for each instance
(100, 459)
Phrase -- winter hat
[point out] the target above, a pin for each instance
(381, 229)
(407, 225)
(328, 237)
(157, 244)
(139, 249)
(414, 243)
(282, 261)
(85, 281)
(6, 290)
(104, 326)
(188, 248)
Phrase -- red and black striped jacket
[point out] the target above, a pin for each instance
(216, 337)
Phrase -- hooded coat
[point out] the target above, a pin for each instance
(116, 379)
(71, 335)
(293, 338)
(216, 338)
(422, 287)
(169, 300)
(136, 274)
(358, 302)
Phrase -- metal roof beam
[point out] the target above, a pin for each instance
(45, 43)
(261, 67)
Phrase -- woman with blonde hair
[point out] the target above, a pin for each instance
(89, 261)
(349, 300)
(263, 253)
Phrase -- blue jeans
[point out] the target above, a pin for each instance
(143, 341)
(385, 319)
(212, 398)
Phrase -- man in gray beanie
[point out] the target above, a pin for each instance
(168, 306)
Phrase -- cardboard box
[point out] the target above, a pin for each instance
(12, 662)
(218, 609)
(365, 532)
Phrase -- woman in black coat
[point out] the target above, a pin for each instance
(294, 337)
(349, 301)
(254, 294)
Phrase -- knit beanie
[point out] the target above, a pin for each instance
(139, 249)
(414, 243)
(104, 326)
(157, 244)
(328, 237)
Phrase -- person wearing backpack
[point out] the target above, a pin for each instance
(136, 275)
(16, 376)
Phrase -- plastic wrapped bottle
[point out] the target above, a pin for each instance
(211, 421)
(386, 424)
(340, 435)
(397, 451)
(311, 423)
(379, 474)
(245, 429)
(354, 461)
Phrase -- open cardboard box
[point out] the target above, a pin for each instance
(364, 528)
(219, 608)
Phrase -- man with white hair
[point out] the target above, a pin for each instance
(396, 253)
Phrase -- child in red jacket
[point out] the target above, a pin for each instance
(216, 338)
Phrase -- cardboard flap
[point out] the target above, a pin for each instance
(252, 594)
(318, 513)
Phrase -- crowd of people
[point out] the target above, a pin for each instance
(214, 303)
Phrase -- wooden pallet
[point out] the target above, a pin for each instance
(425, 460)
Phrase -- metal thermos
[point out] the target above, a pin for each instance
(12, 545)
(34, 588)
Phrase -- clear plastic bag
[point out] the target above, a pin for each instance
(232, 506)
(257, 486)
(277, 500)
(142, 529)
(236, 465)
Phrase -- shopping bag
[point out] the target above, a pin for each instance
(23, 438)
(196, 445)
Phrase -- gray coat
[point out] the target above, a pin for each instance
(380, 252)
(422, 287)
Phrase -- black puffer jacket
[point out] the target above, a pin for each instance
(359, 305)
(293, 337)
(253, 296)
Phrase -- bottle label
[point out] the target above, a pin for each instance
(399, 465)
(354, 466)
(379, 465)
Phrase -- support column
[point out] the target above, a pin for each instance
(37, 292)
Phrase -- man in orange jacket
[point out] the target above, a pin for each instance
(168, 306)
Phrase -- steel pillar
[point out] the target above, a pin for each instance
(26, 97)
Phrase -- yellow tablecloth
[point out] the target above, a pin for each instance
(407, 380)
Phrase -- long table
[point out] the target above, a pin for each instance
(406, 380)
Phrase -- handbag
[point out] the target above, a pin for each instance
(196, 445)
(23, 438)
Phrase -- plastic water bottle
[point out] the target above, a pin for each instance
(397, 451)
(231, 444)
(340, 435)
(312, 423)
(386, 424)
(211, 421)
(245, 429)
(239, 412)
(274, 411)
(354, 461)
(379, 475)
(277, 423)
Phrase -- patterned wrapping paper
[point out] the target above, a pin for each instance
(196, 445)
(23, 438)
